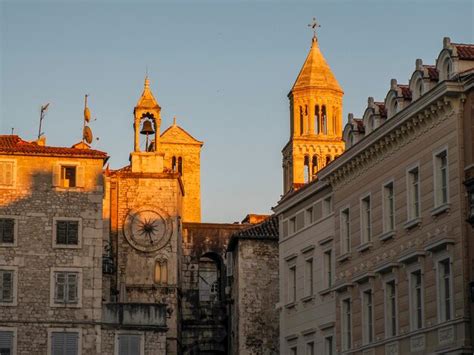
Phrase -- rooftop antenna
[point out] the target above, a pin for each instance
(43, 110)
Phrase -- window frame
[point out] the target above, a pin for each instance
(413, 215)
(436, 183)
(118, 333)
(329, 339)
(387, 309)
(308, 281)
(14, 173)
(14, 330)
(80, 178)
(291, 277)
(15, 231)
(64, 330)
(14, 270)
(345, 238)
(365, 218)
(79, 233)
(412, 311)
(368, 331)
(328, 269)
(386, 214)
(440, 302)
(346, 327)
(52, 288)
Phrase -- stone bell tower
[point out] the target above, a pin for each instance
(315, 121)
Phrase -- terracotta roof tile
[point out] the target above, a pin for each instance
(267, 229)
(432, 72)
(13, 144)
(465, 51)
(382, 109)
(406, 92)
(360, 124)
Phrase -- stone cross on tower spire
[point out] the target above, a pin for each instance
(314, 25)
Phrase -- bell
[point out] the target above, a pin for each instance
(147, 128)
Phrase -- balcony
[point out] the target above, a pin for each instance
(135, 315)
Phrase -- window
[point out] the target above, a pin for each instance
(328, 345)
(413, 194)
(346, 324)
(314, 166)
(441, 179)
(209, 278)
(293, 350)
(180, 165)
(327, 206)
(292, 225)
(324, 123)
(368, 316)
(129, 344)
(301, 121)
(161, 272)
(308, 277)
(64, 343)
(67, 232)
(310, 348)
(307, 168)
(445, 299)
(388, 208)
(6, 173)
(309, 215)
(6, 286)
(316, 119)
(366, 221)
(390, 309)
(292, 284)
(68, 176)
(345, 231)
(6, 341)
(328, 268)
(416, 300)
(7, 230)
(66, 287)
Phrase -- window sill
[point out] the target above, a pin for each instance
(343, 257)
(325, 291)
(65, 305)
(363, 247)
(440, 209)
(9, 304)
(65, 246)
(8, 245)
(412, 223)
(387, 236)
(307, 298)
(290, 305)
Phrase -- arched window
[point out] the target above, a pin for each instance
(328, 159)
(173, 163)
(301, 121)
(324, 124)
(307, 174)
(180, 165)
(394, 107)
(161, 272)
(315, 165)
(209, 278)
(316, 119)
(419, 88)
(334, 120)
(447, 69)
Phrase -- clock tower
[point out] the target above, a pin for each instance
(143, 203)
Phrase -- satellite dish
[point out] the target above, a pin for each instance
(87, 114)
(87, 135)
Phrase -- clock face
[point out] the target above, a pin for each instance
(148, 229)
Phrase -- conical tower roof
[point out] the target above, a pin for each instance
(316, 72)
(147, 100)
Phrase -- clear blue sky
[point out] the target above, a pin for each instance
(223, 68)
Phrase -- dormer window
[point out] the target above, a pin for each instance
(446, 69)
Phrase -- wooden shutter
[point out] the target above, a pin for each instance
(123, 344)
(6, 342)
(72, 279)
(80, 176)
(57, 175)
(72, 232)
(64, 343)
(61, 232)
(60, 287)
(71, 343)
(57, 343)
(7, 229)
(134, 345)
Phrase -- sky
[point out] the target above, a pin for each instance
(223, 68)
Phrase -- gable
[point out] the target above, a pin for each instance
(175, 134)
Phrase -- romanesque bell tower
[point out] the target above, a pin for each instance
(315, 121)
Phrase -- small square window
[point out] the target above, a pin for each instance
(129, 344)
(64, 343)
(7, 230)
(68, 176)
(67, 232)
(66, 287)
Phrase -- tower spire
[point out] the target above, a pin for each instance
(314, 26)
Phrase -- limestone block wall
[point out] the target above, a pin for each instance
(34, 204)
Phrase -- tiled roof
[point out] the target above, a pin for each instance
(382, 109)
(465, 51)
(360, 124)
(432, 72)
(406, 92)
(13, 144)
(267, 229)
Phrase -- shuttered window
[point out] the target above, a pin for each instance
(6, 286)
(64, 343)
(66, 287)
(7, 230)
(68, 175)
(6, 342)
(6, 174)
(129, 344)
(67, 232)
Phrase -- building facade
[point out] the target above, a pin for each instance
(403, 257)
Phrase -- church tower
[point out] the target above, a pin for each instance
(315, 121)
